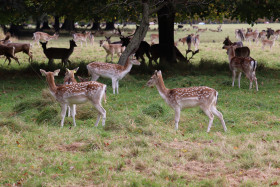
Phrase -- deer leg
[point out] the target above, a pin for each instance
(219, 115)
(117, 86)
(102, 112)
(177, 117)
(73, 115)
(69, 110)
(114, 85)
(81, 43)
(233, 77)
(9, 59)
(106, 57)
(16, 59)
(63, 113)
(210, 116)
(74, 109)
(256, 81)
(239, 77)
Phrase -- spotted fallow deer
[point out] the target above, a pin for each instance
(77, 94)
(252, 36)
(69, 78)
(270, 43)
(37, 36)
(242, 64)
(113, 71)
(112, 49)
(180, 98)
(83, 37)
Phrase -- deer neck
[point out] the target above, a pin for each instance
(51, 83)
(231, 53)
(163, 91)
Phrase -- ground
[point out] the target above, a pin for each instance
(139, 146)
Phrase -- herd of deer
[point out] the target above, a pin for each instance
(72, 92)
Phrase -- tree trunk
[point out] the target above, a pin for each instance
(166, 17)
(138, 36)
(45, 25)
(4, 28)
(95, 25)
(38, 24)
(110, 26)
(56, 24)
(68, 25)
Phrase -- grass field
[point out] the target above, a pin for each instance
(139, 146)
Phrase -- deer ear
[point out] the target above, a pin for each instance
(43, 72)
(56, 72)
(67, 70)
(76, 69)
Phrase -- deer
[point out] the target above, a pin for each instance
(196, 41)
(180, 98)
(77, 94)
(201, 30)
(239, 34)
(111, 49)
(115, 72)
(240, 50)
(59, 53)
(37, 36)
(108, 39)
(183, 40)
(22, 47)
(270, 43)
(247, 65)
(8, 52)
(153, 37)
(252, 36)
(69, 78)
(83, 37)
(262, 35)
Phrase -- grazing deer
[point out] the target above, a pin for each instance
(8, 52)
(37, 36)
(153, 37)
(180, 98)
(70, 79)
(242, 64)
(22, 47)
(219, 28)
(77, 94)
(111, 49)
(269, 43)
(113, 71)
(59, 53)
(83, 37)
(183, 40)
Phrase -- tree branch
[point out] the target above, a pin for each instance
(161, 4)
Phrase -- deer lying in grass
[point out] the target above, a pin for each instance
(8, 52)
(69, 78)
(82, 37)
(22, 47)
(112, 49)
(180, 98)
(201, 30)
(77, 94)
(240, 64)
(270, 43)
(113, 71)
(59, 53)
(37, 36)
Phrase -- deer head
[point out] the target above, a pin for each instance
(154, 79)
(72, 43)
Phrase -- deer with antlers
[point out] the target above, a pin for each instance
(247, 65)
(37, 36)
(180, 98)
(77, 94)
(111, 49)
(83, 37)
(115, 72)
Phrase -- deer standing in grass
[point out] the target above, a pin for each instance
(37, 36)
(113, 71)
(77, 94)
(270, 43)
(8, 52)
(180, 98)
(242, 64)
(83, 37)
(111, 49)
(70, 79)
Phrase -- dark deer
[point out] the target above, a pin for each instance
(8, 52)
(59, 53)
(22, 47)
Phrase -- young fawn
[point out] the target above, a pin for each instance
(113, 71)
(77, 94)
(180, 98)
(69, 78)
(111, 49)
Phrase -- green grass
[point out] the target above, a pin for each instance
(139, 146)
